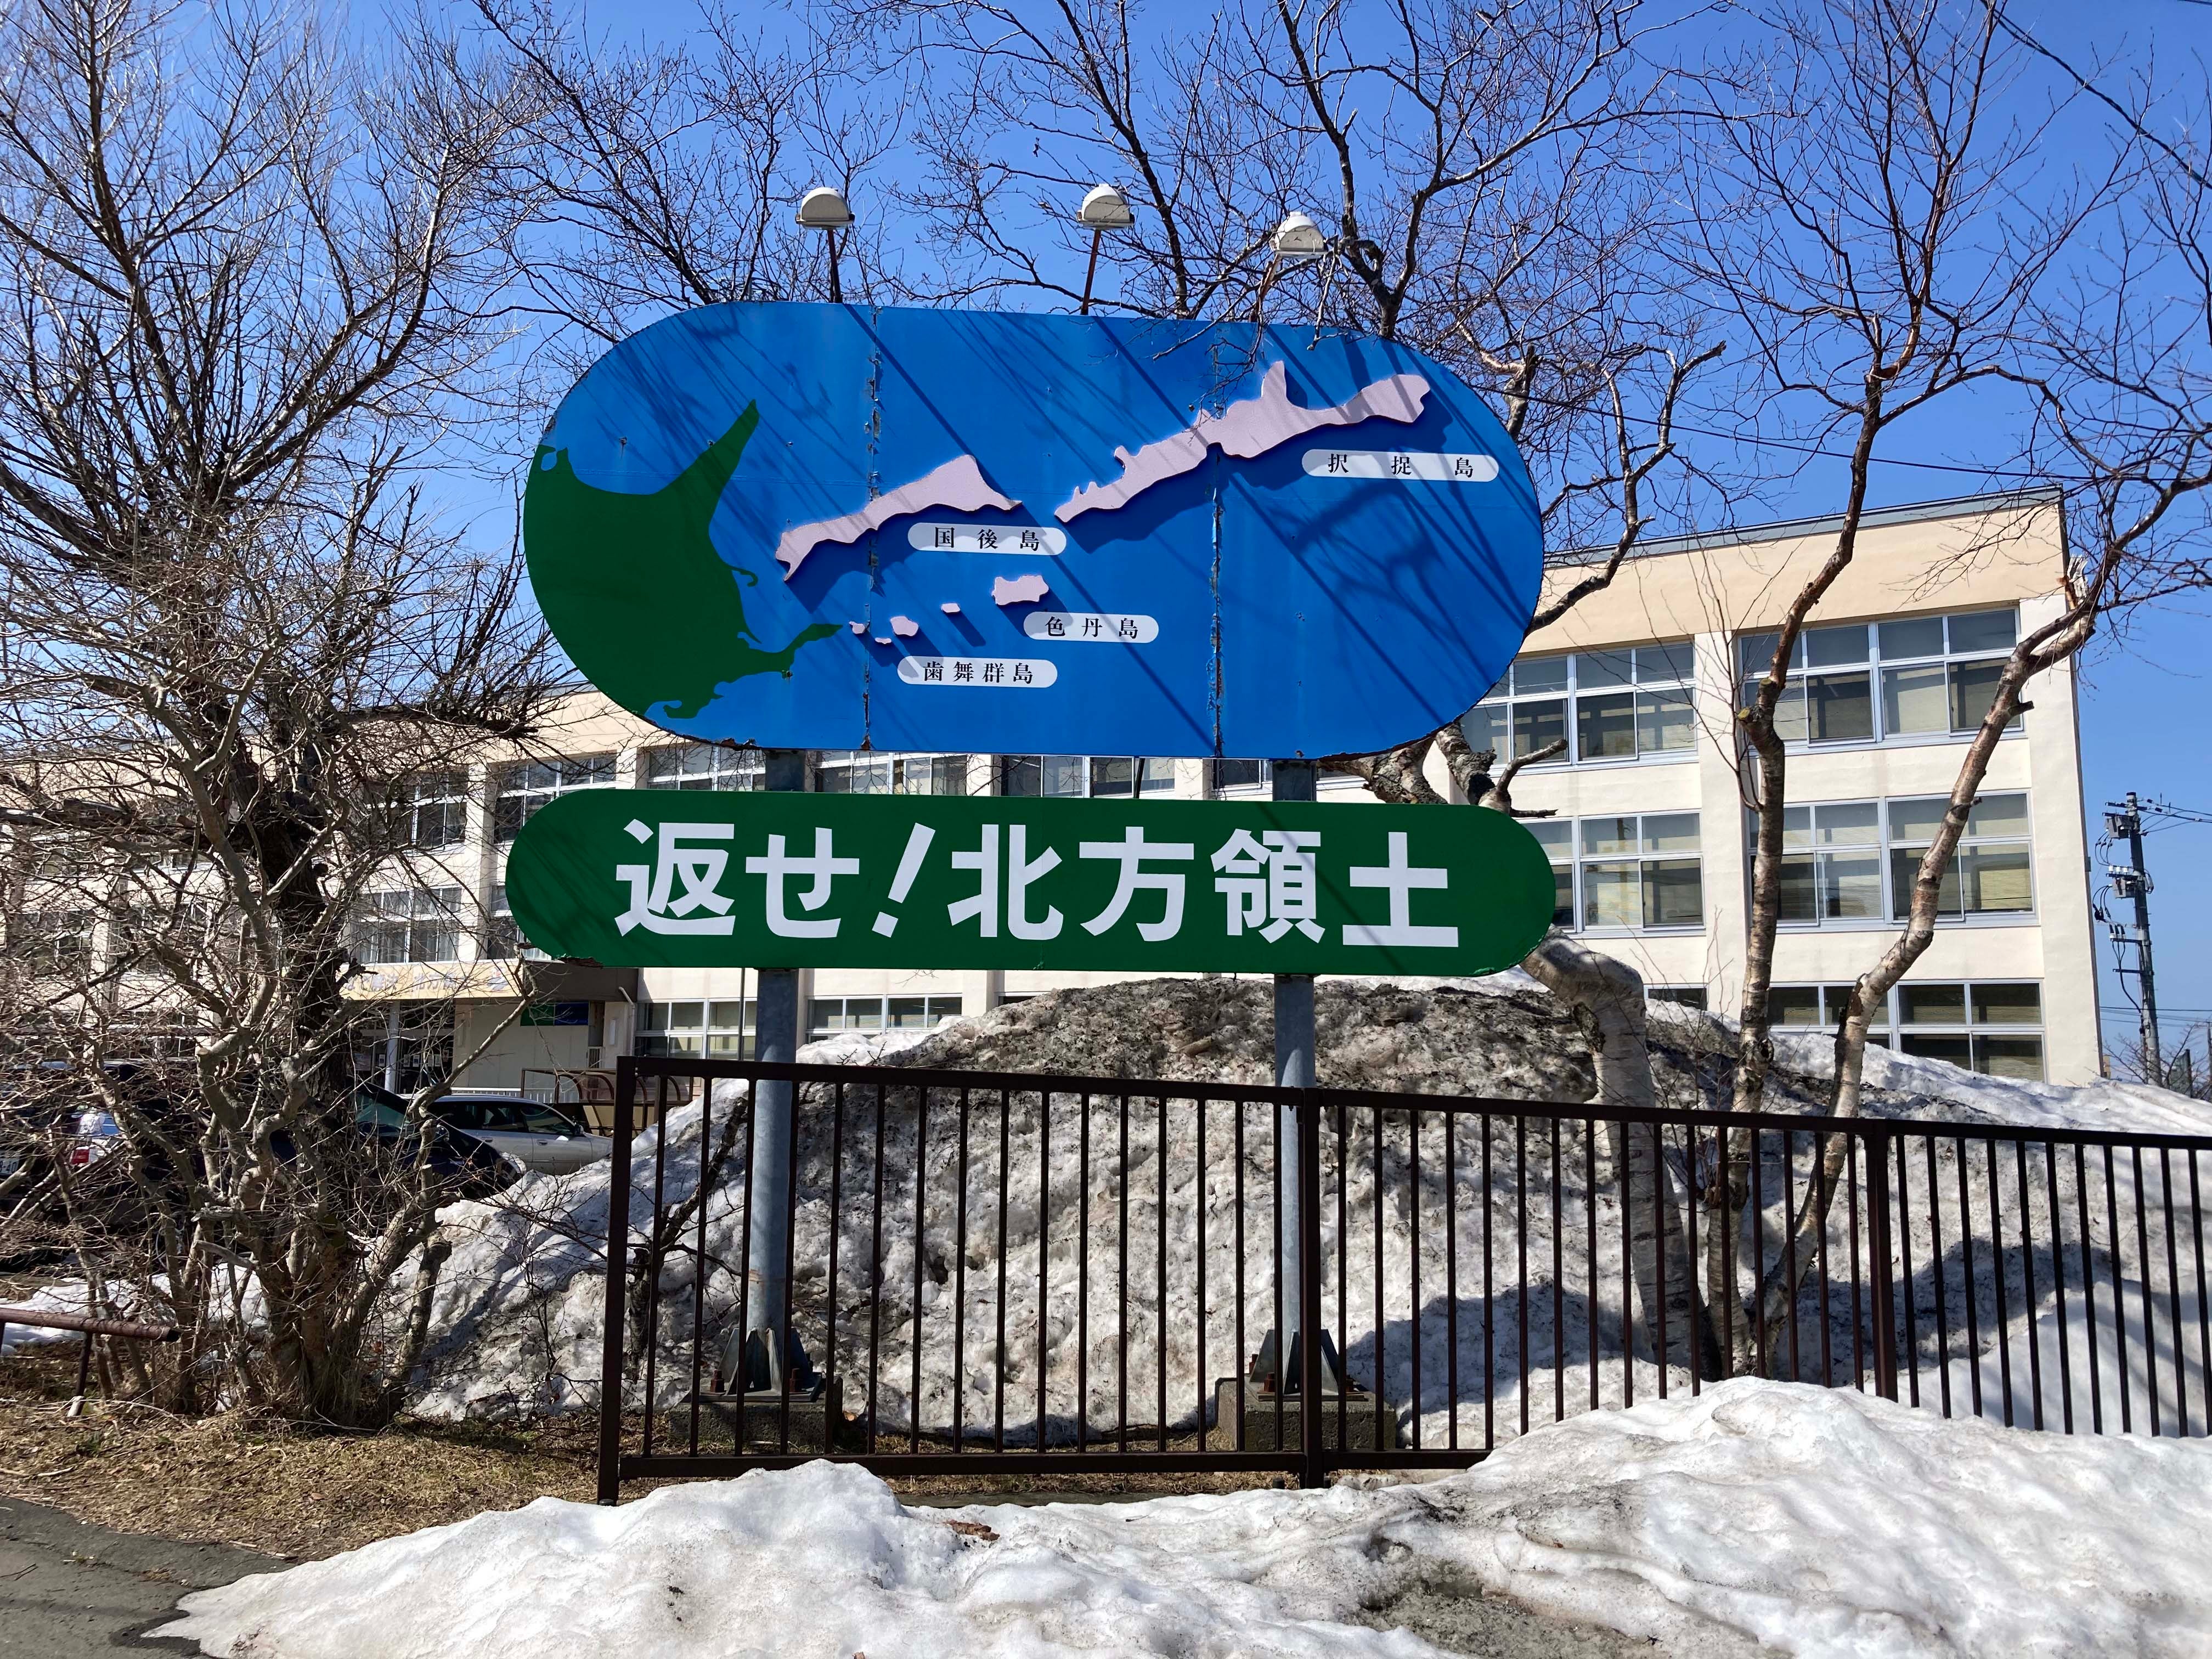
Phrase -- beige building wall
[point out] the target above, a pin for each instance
(1928, 560)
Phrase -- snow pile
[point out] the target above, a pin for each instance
(1816, 1522)
(518, 1312)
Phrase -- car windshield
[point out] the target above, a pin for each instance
(376, 1110)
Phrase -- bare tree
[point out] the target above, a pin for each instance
(2118, 360)
(1864, 212)
(244, 280)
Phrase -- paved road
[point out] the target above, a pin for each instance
(71, 1590)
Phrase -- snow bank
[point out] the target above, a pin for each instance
(1817, 1522)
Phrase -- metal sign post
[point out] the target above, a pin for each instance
(769, 1349)
(1294, 781)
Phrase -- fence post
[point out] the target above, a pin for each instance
(1313, 1465)
(611, 1349)
(1877, 1143)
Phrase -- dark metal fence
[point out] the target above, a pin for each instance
(1008, 1272)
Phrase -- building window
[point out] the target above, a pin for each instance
(51, 941)
(855, 772)
(1624, 705)
(528, 785)
(704, 766)
(1098, 776)
(422, 924)
(1832, 862)
(1989, 874)
(1682, 996)
(1638, 871)
(721, 1031)
(433, 810)
(503, 939)
(1870, 682)
(1241, 774)
(1990, 1026)
(827, 1016)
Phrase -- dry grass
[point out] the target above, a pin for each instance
(291, 1492)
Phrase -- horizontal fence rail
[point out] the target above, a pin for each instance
(1012, 1272)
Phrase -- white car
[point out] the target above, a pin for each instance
(529, 1133)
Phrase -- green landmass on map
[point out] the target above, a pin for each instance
(632, 585)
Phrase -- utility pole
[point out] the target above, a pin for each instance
(2133, 881)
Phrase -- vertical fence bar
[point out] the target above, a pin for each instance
(2173, 1293)
(1693, 1197)
(999, 1354)
(1199, 1366)
(1044, 1259)
(876, 1288)
(1904, 1268)
(2028, 1300)
(1876, 1143)
(2088, 1287)
(1381, 1369)
(1451, 1278)
(1627, 1273)
(1973, 1291)
(2203, 1298)
(1590, 1282)
(1413, 1249)
(2149, 1307)
(1237, 1217)
(1121, 1286)
(699, 1256)
(783, 1330)
(617, 1261)
(1313, 1461)
(1343, 1269)
(1936, 1270)
(654, 1265)
(2001, 1275)
(2059, 1280)
(2123, 1380)
(960, 1290)
(1851, 1162)
(1083, 1282)
(1759, 1246)
(835, 1220)
(1521, 1246)
(1789, 1250)
(1827, 1195)
(1160, 1266)
(1558, 1284)
(1489, 1301)
(920, 1169)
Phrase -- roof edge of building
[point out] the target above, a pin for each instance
(1953, 506)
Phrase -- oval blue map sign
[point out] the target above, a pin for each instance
(814, 526)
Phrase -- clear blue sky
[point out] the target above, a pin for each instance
(2146, 707)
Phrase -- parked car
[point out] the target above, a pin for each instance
(533, 1134)
(467, 1165)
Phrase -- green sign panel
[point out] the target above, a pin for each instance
(655, 879)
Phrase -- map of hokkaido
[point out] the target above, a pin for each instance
(818, 527)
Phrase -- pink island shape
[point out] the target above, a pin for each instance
(959, 486)
(1017, 590)
(1247, 428)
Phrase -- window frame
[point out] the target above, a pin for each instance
(1888, 851)
(932, 1015)
(428, 912)
(899, 773)
(1579, 889)
(726, 768)
(1151, 775)
(1878, 667)
(1893, 1031)
(570, 773)
(1572, 693)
